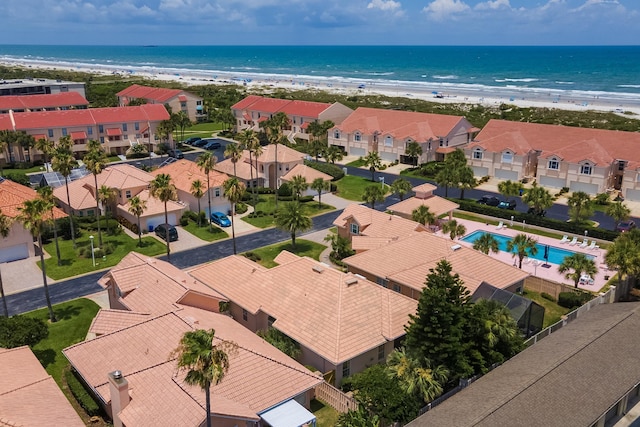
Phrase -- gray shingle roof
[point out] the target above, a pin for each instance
(570, 378)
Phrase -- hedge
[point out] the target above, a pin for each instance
(573, 299)
(568, 227)
(336, 172)
(81, 394)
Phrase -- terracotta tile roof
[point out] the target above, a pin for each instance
(146, 92)
(571, 144)
(183, 172)
(107, 321)
(308, 172)
(154, 206)
(323, 309)
(408, 260)
(28, 395)
(243, 168)
(364, 243)
(424, 188)
(437, 205)
(260, 376)
(80, 194)
(13, 195)
(149, 285)
(246, 102)
(274, 105)
(53, 100)
(285, 154)
(400, 124)
(304, 108)
(377, 224)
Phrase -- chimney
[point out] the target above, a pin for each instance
(119, 390)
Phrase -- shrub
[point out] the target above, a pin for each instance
(184, 221)
(548, 296)
(98, 253)
(284, 190)
(241, 208)
(573, 299)
(602, 199)
(306, 199)
(252, 256)
(18, 330)
(81, 394)
(108, 248)
(17, 177)
(335, 171)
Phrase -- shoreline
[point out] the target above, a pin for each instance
(619, 103)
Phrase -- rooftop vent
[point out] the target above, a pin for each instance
(455, 247)
(360, 276)
(117, 375)
(351, 281)
(317, 268)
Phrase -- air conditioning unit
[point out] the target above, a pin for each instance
(455, 247)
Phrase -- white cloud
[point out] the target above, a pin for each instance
(493, 5)
(388, 5)
(440, 9)
(590, 3)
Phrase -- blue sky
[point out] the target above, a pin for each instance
(304, 22)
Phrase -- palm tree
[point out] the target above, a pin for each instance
(373, 161)
(163, 189)
(624, 255)
(334, 154)
(417, 378)
(206, 162)
(46, 147)
(32, 216)
(298, 185)
(197, 191)
(291, 218)
(619, 212)
(234, 191)
(372, 194)
(509, 189)
(446, 178)
(206, 363)
(106, 195)
(5, 227)
(413, 150)
(486, 243)
(580, 264)
(319, 131)
(95, 161)
(454, 229)
(274, 128)
(320, 185)
(538, 198)
(249, 139)
(522, 245)
(181, 121)
(423, 215)
(233, 152)
(580, 206)
(46, 193)
(63, 162)
(137, 207)
(401, 187)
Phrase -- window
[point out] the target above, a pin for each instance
(102, 140)
(507, 157)
(136, 126)
(124, 127)
(245, 315)
(91, 212)
(388, 141)
(127, 194)
(101, 128)
(621, 165)
(355, 228)
(64, 131)
(381, 353)
(441, 142)
(357, 137)
(50, 133)
(381, 281)
(585, 169)
(346, 369)
(217, 192)
(554, 164)
(396, 288)
(183, 104)
(125, 136)
(336, 134)
(89, 130)
(477, 154)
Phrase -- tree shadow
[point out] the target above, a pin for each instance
(46, 356)
(67, 312)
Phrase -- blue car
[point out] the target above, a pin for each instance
(220, 219)
(212, 145)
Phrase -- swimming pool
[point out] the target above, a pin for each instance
(556, 255)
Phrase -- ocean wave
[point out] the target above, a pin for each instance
(376, 73)
(564, 83)
(630, 86)
(524, 80)
(447, 77)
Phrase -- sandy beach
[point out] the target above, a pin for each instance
(620, 103)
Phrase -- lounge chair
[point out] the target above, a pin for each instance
(564, 239)
(526, 260)
(584, 243)
(573, 241)
(499, 226)
(592, 246)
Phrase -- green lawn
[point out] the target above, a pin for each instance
(203, 130)
(203, 232)
(74, 318)
(267, 204)
(326, 416)
(356, 163)
(351, 187)
(303, 247)
(552, 311)
(414, 174)
(73, 264)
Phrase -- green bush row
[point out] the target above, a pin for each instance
(81, 394)
(573, 299)
(335, 171)
(548, 297)
(567, 227)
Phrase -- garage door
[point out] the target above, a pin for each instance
(583, 186)
(480, 171)
(506, 174)
(13, 253)
(633, 195)
(388, 157)
(153, 221)
(547, 181)
(357, 151)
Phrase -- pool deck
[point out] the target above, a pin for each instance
(534, 267)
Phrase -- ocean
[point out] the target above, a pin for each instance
(593, 71)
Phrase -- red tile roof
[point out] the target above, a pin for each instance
(13, 195)
(145, 92)
(54, 100)
(78, 135)
(274, 105)
(114, 131)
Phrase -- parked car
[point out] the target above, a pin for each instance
(489, 200)
(624, 226)
(220, 219)
(161, 231)
(200, 143)
(212, 145)
(534, 211)
(190, 141)
(507, 204)
(176, 153)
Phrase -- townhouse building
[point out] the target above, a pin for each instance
(177, 100)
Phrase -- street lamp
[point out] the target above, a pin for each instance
(93, 257)
(381, 181)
